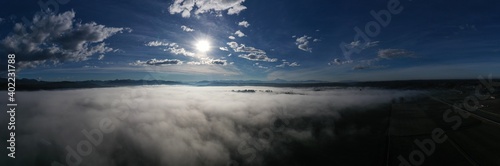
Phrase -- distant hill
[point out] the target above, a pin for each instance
(32, 84)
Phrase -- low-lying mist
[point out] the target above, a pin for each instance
(184, 125)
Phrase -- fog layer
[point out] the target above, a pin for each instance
(181, 125)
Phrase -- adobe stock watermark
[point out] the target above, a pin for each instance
(93, 138)
(372, 29)
(462, 111)
(249, 148)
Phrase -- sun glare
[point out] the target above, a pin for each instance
(202, 45)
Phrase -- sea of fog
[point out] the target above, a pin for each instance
(180, 125)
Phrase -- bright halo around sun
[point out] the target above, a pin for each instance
(203, 46)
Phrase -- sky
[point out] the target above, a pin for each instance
(194, 40)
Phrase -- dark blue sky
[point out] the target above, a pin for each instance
(191, 40)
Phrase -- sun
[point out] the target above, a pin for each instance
(203, 45)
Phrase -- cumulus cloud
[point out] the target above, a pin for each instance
(395, 53)
(101, 57)
(362, 46)
(303, 43)
(173, 48)
(58, 38)
(188, 7)
(244, 24)
(187, 29)
(253, 54)
(231, 37)
(180, 125)
(158, 62)
(285, 64)
(239, 33)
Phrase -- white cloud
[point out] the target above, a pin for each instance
(294, 64)
(362, 46)
(87, 66)
(187, 29)
(258, 65)
(337, 61)
(244, 24)
(253, 54)
(224, 48)
(239, 33)
(284, 64)
(303, 43)
(188, 7)
(181, 125)
(208, 61)
(157, 43)
(231, 37)
(101, 57)
(177, 50)
(173, 48)
(394, 53)
(155, 62)
(162, 62)
(58, 38)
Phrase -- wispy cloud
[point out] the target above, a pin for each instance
(394, 53)
(337, 61)
(362, 46)
(208, 61)
(173, 48)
